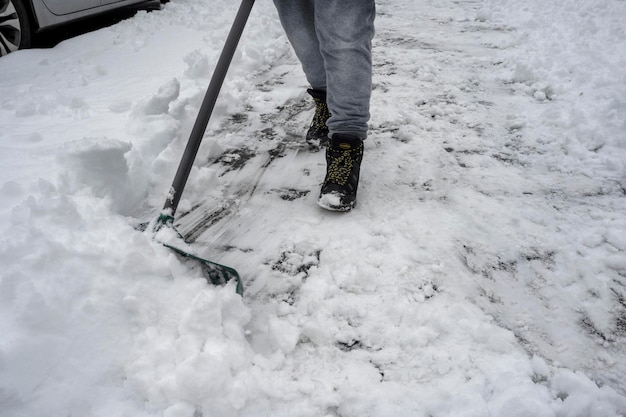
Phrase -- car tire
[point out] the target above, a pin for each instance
(15, 26)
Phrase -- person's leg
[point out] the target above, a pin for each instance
(345, 29)
(298, 19)
(332, 39)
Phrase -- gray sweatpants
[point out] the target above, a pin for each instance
(333, 41)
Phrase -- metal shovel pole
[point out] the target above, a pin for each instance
(208, 103)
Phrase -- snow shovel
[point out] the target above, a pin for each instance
(216, 273)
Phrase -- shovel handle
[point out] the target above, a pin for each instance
(208, 103)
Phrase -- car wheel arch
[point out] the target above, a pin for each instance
(10, 38)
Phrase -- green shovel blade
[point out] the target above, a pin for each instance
(216, 274)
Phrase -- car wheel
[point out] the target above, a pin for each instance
(15, 30)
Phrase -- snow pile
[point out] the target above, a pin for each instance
(482, 272)
(84, 130)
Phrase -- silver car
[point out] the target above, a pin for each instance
(19, 19)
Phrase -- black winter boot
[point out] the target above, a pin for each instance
(317, 135)
(343, 164)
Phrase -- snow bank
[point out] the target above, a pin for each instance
(96, 317)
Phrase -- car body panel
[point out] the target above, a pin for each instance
(49, 13)
(20, 19)
(64, 7)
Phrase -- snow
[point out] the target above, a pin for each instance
(482, 272)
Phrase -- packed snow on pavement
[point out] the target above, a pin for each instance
(482, 272)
